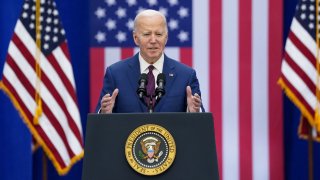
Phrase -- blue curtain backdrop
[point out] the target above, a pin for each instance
(16, 160)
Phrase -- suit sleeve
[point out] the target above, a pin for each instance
(195, 87)
(108, 87)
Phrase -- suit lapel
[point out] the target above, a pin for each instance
(170, 74)
(133, 75)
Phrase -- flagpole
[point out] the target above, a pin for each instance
(317, 113)
(310, 153)
(44, 167)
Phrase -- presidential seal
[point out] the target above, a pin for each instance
(150, 149)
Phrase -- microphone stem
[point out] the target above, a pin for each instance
(150, 105)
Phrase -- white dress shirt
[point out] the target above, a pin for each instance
(158, 66)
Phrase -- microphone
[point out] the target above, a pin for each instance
(143, 81)
(161, 81)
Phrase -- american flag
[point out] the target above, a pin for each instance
(236, 49)
(299, 77)
(58, 129)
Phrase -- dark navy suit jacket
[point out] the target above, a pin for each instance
(125, 75)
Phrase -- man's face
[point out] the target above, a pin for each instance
(151, 36)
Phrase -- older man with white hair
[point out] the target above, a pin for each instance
(181, 86)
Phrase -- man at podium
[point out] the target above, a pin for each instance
(150, 81)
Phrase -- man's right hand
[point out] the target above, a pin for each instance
(107, 102)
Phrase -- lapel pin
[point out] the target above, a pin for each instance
(171, 74)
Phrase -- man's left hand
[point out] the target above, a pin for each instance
(194, 101)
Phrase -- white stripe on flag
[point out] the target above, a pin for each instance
(307, 40)
(298, 57)
(173, 53)
(260, 116)
(200, 48)
(230, 89)
(66, 97)
(65, 65)
(112, 55)
(298, 84)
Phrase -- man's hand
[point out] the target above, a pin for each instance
(194, 101)
(107, 102)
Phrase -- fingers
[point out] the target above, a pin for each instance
(189, 92)
(115, 93)
(108, 101)
(194, 101)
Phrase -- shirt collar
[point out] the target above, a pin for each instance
(158, 65)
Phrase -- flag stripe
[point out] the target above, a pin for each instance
(97, 68)
(295, 41)
(299, 88)
(200, 47)
(215, 76)
(186, 56)
(299, 71)
(173, 52)
(260, 89)
(126, 53)
(297, 29)
(275, 45)
(55, 59)
(245, 87)
(301, 60)
(230, 86)
(66, 98)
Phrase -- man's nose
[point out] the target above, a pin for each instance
(153, 38)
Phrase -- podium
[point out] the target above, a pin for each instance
(107, 138)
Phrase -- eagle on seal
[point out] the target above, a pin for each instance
(150, 147)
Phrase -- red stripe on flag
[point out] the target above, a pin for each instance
(30, 89)
(66, 82)
(65, 49)
(215, 69)
(298, 95)
(275, 47)
(186, 56)
(57, 96)
(301, 73)
(29, 116)
(302, 48)
(126, 53)
(96, 75)
(245, 90)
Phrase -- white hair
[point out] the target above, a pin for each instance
(149, 12)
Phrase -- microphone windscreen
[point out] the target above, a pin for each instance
(143, 76)
(161, 77)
